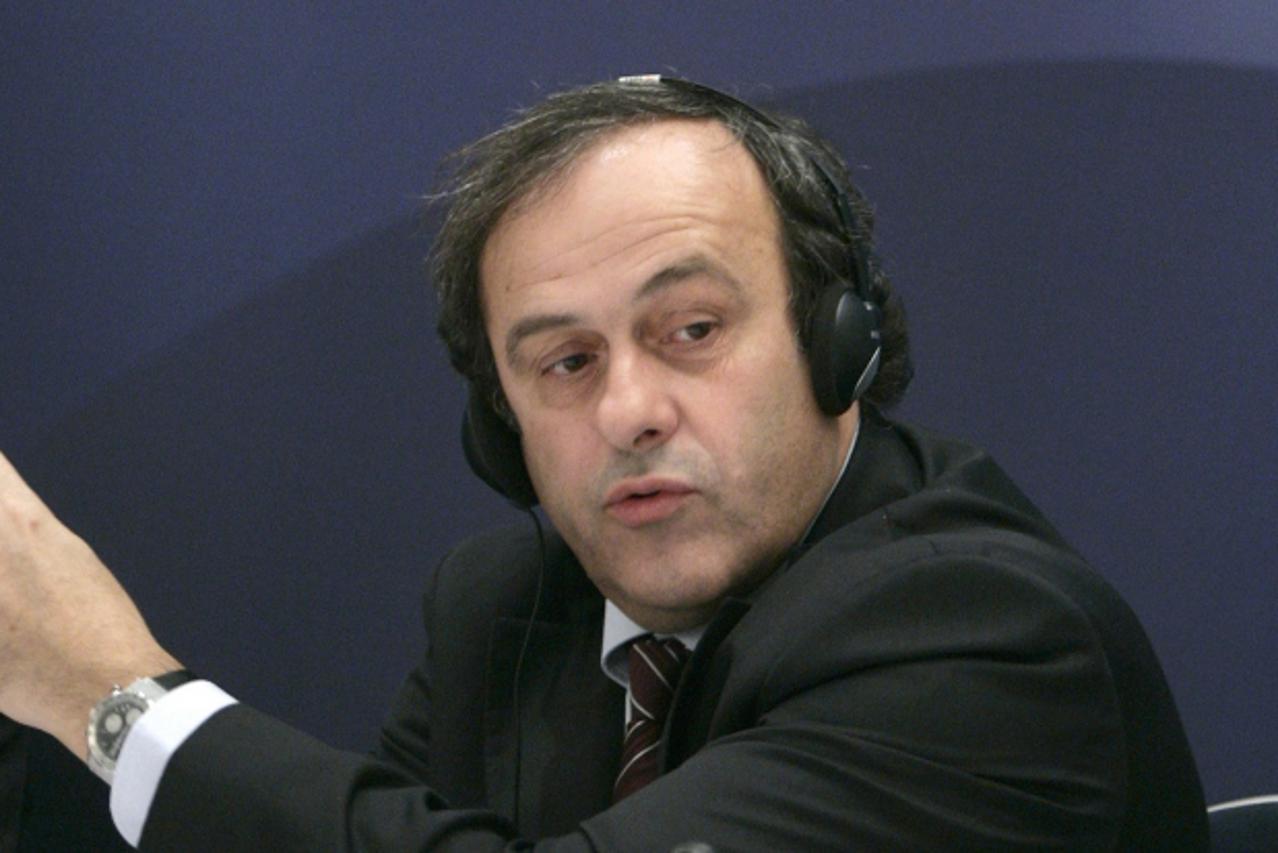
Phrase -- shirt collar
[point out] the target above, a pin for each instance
(619, 629)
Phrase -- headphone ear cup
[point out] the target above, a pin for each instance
(843, 348)
(495, 453)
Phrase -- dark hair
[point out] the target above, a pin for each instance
(509, 166)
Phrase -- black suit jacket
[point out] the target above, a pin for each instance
(933, 669)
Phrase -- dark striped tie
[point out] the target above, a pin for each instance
(654, 673)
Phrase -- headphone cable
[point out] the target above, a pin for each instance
(519, 661)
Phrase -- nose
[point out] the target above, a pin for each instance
(636, 412)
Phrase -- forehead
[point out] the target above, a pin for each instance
(640, 191)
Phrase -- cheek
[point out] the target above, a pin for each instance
(543, 451)
(558, 461)
(765, 428)
(769, 385)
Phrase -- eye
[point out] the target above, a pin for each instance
(693, 332)
(568, 365)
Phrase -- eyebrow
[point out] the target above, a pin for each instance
(668, 277)
(530, 326)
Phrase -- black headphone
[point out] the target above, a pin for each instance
(843, 338)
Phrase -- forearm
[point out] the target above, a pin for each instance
(71, 632)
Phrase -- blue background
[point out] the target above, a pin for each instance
(217, 359)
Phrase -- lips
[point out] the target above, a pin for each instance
(646, 500)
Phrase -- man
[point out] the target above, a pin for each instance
(678, 344)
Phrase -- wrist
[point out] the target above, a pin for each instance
(115, 715)
(59, 703)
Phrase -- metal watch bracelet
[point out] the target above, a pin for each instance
(113, 718)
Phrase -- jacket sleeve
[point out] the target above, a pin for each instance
(952, 703)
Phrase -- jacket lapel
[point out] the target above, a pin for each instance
(688, 724)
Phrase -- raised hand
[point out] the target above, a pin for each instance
(68, 630)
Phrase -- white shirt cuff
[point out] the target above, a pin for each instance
(155, 737)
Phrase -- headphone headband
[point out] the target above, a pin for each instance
(838, 197)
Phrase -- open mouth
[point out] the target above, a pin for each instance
(641, 503)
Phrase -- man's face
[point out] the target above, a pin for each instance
(638, 312)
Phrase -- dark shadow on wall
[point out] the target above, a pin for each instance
(1086, 251)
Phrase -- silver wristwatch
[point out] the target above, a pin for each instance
(111, 719)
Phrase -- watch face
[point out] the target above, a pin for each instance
(118, 714)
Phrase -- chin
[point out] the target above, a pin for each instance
(673, 597)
